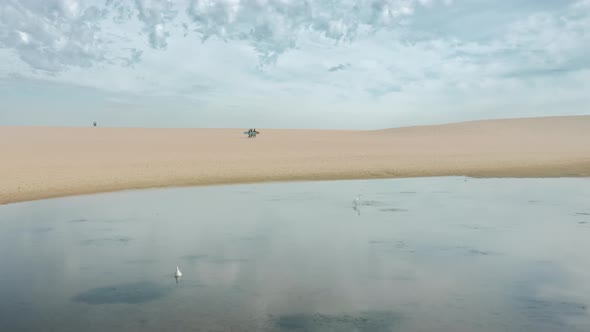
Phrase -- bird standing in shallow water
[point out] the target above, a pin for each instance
(355, 204)
(177, 274)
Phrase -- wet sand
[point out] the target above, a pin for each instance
(44, 162)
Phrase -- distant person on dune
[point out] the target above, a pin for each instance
(94, 124)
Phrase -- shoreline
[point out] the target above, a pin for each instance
(96, 191)
(49, 162)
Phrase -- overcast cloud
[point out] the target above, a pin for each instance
(286, 63)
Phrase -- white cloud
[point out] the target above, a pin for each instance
(155, 14)
(72, 33)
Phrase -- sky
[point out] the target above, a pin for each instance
(333, 64)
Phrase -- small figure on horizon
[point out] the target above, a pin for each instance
(94, 123)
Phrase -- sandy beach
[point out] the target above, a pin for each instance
(44, 162)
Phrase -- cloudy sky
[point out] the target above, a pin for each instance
(291, 63)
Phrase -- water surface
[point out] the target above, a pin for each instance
(432, 254)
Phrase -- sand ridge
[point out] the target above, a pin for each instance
(44, 162)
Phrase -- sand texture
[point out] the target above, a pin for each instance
(44, 162)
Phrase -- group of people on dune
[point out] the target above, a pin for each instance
(252, 133)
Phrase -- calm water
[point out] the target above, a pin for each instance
(438, 254)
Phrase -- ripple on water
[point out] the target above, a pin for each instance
(77, 220)
(294, 197)
(42, 230)
(111, 221)
(389, 246)
(213, 259)
(122, 240)
(461, 250)
(374, 321)
(132, 293)
(476, 227)
(553, 313)
(370, 203)
(393, 210)
(244, 192)
(395, 243)
(477, 252)
(193, 258)
(221, 260)
(141, 261)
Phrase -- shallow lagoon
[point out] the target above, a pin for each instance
(428, 254)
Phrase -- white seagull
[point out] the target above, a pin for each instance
(356, 200)
(178, 274)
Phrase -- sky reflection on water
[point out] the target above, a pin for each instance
(429, 254)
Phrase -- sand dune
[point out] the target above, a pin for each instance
(43, 162)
